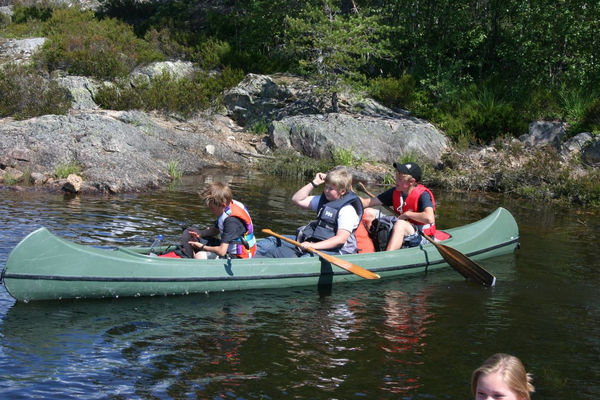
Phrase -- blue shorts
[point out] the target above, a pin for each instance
(413, 240)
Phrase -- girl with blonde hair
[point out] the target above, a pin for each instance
(501, 376)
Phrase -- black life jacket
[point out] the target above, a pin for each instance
(325, 226)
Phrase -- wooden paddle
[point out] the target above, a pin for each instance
(457, 260)
(348, 266)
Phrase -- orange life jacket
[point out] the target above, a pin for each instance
(364, 243)
(238, 248)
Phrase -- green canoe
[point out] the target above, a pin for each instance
(43, 266)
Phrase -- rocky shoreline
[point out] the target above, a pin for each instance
(127, 151)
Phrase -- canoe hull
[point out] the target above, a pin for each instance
(44, 267)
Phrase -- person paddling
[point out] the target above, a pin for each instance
(413, 204)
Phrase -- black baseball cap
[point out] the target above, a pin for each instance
(409, 168)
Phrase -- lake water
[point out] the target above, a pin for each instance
(418, 337)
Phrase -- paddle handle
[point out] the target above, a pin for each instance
(364, 189)
(291, 241)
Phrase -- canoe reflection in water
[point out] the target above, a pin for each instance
(404, 329)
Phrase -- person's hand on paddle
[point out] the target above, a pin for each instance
(306, 245)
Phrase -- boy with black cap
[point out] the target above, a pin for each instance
(413, 204)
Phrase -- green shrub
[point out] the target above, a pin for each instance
(63, 170)
(574, 102)
(24, 179)
(346, 157)
(119, 96)
(580, 109)
(389, 179)
(25, 94)
(580, 190)
(410, 157)
(590, 120)
(9, 179)
(169, 95)
(83, 45)
(174, 172)
(478, 113)
(210, 53)
(35, 12)
(543, 103)
(393, 92)
(290, 164)
(162, 41)
(260, 127)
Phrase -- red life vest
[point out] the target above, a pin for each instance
(170, 254)
(237, 209)
(412, 204)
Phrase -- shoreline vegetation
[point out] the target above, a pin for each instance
(534, 174)
(479, 74)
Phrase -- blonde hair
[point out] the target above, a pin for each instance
(340, 178)
(217, 194)
(512, 371)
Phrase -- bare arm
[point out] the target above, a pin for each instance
(302, 197)
(220, 250)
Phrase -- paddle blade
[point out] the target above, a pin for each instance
(463, 264)
(348, 266)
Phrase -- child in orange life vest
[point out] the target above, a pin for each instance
(413, 203)
(234, 225)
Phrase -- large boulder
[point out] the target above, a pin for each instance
(259, 97)
(300, 118)
(20, 50)
(115, 151)
(82, 90)
(175, 69)
(274, 97)
(572, 147)
(371, 138)
(6, 11)
(544, 133)
(591, 152)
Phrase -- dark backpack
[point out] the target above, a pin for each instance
(380, 231)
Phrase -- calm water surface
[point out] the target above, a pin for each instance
(411, 338)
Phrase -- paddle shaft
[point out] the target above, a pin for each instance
(457, 260)
(348, 266)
